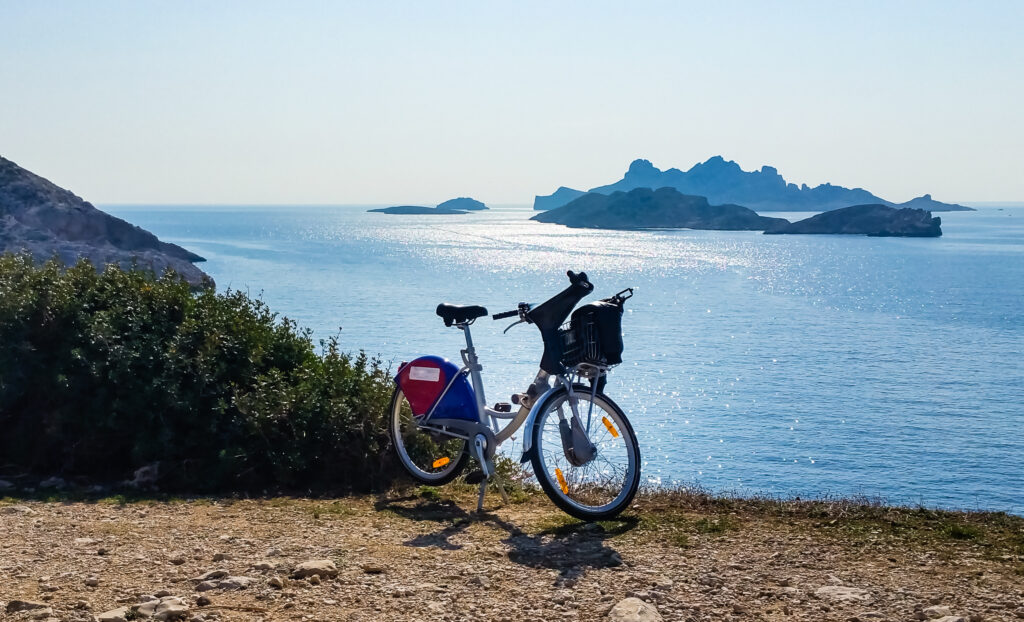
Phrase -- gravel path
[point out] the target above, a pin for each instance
(419, 555)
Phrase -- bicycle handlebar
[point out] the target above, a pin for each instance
(502, 316)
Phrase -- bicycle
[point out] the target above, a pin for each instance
(582, 448)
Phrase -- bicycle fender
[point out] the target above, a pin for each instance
(528, 425)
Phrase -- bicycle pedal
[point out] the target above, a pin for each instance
(475, 477)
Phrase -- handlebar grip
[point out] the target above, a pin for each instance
(580, 279)
(501, 316)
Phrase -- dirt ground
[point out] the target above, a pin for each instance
(420, 554)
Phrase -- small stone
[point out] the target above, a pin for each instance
(272, 552)
(203, 600)
(872, 615)
(171, 612)
(114, 615)
(234, 583)
(92, 581)
(178, 559)
(276, 583)
(16, 509)
(206, 586)
(219, 557)
(41, 614)
(322, 567)
(314, 579)
(86, 541)
(951, 619)
(46, 587)
(162, 594)
(634, 610)
(937, 611)
(480, 581)
(738, 609)
(213, 574)
(263, 566)
(841, 593)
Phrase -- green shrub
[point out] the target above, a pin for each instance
(101, 373)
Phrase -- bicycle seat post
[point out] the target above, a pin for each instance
(473, 365)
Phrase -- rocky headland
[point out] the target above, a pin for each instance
(643, 208)
(723, 181)
(871, 220)
(556, 199)
(41, 218)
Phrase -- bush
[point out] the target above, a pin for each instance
(101, 373)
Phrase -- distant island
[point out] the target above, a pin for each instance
(725, 182)
(557, 199)
(643, 208)
(45, 220)
(872, 220)
(416, 209)
(461, 205)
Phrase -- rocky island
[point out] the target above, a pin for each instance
(643, 208)
(461, 205)
(723, 181)
(871, 220)
(41, 218)
(556, 199)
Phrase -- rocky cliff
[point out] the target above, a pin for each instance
(47, 221)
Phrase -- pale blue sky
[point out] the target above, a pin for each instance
(383, 102)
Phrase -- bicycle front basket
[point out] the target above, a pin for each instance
(593, 335)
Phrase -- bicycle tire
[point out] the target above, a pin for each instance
(552, 487)
(438, 478)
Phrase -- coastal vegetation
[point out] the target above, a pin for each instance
(104, 373)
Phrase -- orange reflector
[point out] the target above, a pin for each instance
(440, 462)
(611, 428)
(561, 481)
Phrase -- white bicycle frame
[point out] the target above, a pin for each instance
(529, 405)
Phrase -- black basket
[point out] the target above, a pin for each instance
(580, 344)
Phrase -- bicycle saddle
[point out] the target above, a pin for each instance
(457, 314)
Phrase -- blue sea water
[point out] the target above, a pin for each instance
(786, 365)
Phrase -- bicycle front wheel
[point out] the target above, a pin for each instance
(430, 458)
(602, 487)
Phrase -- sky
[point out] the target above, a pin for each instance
(416, 102)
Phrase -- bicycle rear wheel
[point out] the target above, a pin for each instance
(428, 457)
(602, 487)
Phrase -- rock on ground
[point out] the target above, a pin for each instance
(634, 610)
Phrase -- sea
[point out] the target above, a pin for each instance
(809, 366)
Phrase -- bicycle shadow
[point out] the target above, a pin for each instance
(571, 549)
